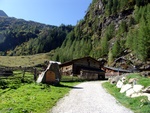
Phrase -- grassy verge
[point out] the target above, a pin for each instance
(31, 97)
(138, 104)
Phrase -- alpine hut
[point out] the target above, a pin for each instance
(51, 75)
(86, 68)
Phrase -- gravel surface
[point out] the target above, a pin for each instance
(89, 97)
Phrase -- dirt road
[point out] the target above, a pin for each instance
(89, 97)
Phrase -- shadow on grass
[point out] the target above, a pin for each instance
(66, 86)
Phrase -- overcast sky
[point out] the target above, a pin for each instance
(52, 12)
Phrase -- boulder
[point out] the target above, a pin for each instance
(140, 94)
(138, 88)
(132, 81)
(119, 84)
(130, 92)
(115, 79)
(136, 95)
(146, 90)
(125, 88)
(123, 79)
(145, 73)
(146, 94)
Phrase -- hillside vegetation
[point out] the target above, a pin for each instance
(20, 37)
(110, 29)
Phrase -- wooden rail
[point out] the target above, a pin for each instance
(7, 72)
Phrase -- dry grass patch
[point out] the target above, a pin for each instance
(24, 61)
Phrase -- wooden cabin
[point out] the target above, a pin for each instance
(112, 71)
(51, 75)
(123, 63)
(86, 68)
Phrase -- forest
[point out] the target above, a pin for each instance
(20, 37)
(109, 29)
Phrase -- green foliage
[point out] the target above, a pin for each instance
(143, 41)
(92, 36)
(123, 27)
(138, 39)
(116, 49)
(23, 38)
(109, 33)
(104, 46)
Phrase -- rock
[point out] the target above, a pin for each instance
(136, 95)
(146, 94)
(132, 81)
(130, 92)
(119, 84)
(115, 80)
(138, 88)
(140, 94)
(123, 79)
(146, 90)
(109, 80)
(145, 73)
(125, 88)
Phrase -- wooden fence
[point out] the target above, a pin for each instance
(7, 72)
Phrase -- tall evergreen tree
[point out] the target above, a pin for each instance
(143, 40)
(116, 49)
(110, 57)
(104, 45)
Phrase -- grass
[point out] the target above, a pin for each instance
(24, 61)
(140, 80)
(138, 104)
(32, 98)
(27, 96)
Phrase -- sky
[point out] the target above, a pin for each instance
(52, 12)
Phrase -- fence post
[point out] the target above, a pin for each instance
(24, 70)
(35, 74)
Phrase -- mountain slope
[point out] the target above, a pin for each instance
(20, 37)
(110, 29)
(2, 13)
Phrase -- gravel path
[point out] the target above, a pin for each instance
(89, 97)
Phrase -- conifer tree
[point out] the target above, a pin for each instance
(143, 40)
(116, 49)
(104, 45)
(110, 57)
(115, 5)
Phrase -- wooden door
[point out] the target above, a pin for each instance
(50, 76)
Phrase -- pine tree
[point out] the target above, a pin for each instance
(115, 5)
(129, 41)
(104, 45)
(116, 49)
(143, 40)
(110, 57)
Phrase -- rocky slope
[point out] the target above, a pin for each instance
(111, 29)
(2, 13)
